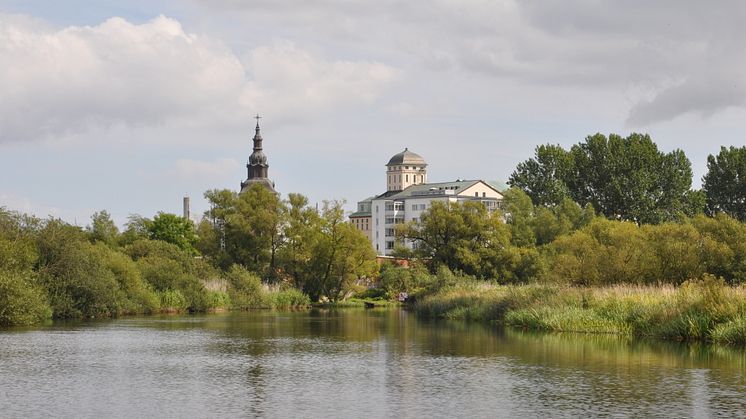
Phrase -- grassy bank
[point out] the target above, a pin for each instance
(702, 310)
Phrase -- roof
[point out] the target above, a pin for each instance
(359, 214)
(406, 157)
(497, 185)
(429, 189)
(435, 189)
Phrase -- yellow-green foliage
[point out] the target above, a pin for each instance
(22, 301)
(613, 252)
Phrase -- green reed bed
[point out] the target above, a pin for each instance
(704, 310)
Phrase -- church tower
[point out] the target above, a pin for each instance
(257, 166)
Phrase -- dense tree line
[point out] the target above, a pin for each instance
(608, 211)
(622, 178)
(288, 241)
(569, 244)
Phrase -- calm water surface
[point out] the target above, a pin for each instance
(353, 363)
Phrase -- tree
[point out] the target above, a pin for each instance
(543, 178)
(519, 214)
(103, 229)
(340, 254)
(136, 228)
(252, 230)
(173, 229)
(622, 178)
(300, 235)
(464, 237)
(725, 182)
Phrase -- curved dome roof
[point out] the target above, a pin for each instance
(406, 157)
(257, 157)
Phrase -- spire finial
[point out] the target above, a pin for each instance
(257, 117)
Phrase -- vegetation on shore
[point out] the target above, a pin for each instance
(607, 237)
(699, 310)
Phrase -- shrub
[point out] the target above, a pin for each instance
(245, 289)
(22, 301)
(173, 300)
(289, 298)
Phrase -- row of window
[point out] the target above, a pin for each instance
(418, 207)
(415, 178)
(392, 168)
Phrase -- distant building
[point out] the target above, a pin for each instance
(257, 166)
(408, 195)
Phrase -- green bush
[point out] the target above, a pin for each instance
(245, 289)
(173, 300)
(217, 299)
(289, 298)
(22, 301)
(732, 332)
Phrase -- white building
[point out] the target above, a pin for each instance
(408, 194)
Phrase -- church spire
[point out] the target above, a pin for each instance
(258, 168)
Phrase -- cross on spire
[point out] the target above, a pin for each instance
(257, 117)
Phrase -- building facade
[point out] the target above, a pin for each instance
(408, 195)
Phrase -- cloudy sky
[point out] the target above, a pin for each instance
(129, 105)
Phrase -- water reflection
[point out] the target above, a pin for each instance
(342, 363)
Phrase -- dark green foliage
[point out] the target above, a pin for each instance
(544, 177)
(622, 178)
(725, 182)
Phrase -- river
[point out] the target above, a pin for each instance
(353, 363)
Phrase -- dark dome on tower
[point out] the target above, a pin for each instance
(406, 157)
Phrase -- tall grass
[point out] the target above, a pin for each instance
(701, 310)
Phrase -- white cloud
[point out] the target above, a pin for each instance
(292, 81)
(205, 170)
(618, 48)
(56, 82)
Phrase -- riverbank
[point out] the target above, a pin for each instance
(702, 310)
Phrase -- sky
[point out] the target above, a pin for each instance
(127, 106)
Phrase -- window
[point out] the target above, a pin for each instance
(389, 245)
(376, 208)
(415, 220)
(484, 194)
(389, 232)
(414, 207)
(389, 220)
(476, 194)
(389, 206)
(406, 178)
(398, 206)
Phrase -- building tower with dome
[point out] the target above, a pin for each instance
(257, 166)
(408, 195)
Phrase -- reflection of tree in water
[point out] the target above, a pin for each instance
(255, 386)
(415, 366)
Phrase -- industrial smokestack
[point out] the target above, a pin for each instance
(186, 208)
